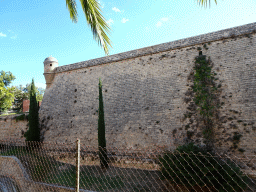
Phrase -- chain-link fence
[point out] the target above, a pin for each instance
(56, 167)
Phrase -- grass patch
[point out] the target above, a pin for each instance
(65, 178)
(102, 182)
(43, 168)
(38, 165)
(7, 114)
(91, 178)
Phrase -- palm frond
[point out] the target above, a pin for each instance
(204, 2)
(97, 22)
(71, 4)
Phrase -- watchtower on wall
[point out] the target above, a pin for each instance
(50, 63)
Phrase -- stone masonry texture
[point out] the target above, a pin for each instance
(12, 129)
(144, 92)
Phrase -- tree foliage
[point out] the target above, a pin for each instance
(19, 97)
(39, 91)
(6, 92)
(6, 78)
(101, 131)
(22, 93)
(33, 133)
(205, 95)
(204, 2)
(199, 167)
(95, 20)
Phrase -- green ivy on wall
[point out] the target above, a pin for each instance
(203, 110)
(204, 89)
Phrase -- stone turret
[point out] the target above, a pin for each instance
(50, 63)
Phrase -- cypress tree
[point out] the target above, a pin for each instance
(33, 133)
(101, 131)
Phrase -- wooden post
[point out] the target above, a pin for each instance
(77, 164)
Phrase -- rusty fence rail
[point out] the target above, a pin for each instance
(74, 167)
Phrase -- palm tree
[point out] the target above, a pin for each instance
(94, 18)
(97, 22)
(204, 2)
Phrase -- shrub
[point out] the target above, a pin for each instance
(193, 167)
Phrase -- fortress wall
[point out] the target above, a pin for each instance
(12, 129)
(144, 91)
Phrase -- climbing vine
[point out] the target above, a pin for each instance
(207, 123)
(204, 89)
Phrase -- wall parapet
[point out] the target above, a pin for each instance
(209, 37)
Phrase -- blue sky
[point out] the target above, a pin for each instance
(30, 31)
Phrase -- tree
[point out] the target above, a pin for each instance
(33, 133)
(101, 132)
(6, 92)
(39, 91)
(6, 78)
(204, 2)
(19, 97)
(21, 93)
(97, 22)
(94, 19)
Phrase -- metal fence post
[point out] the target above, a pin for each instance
(77, 163)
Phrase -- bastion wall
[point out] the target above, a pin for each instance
(146, 94)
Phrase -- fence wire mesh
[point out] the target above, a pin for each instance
(128, 170)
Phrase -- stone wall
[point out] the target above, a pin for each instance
(12, 128)
(145, 93)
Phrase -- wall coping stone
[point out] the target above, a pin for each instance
(208, 37)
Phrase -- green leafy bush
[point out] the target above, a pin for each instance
(193, 167)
